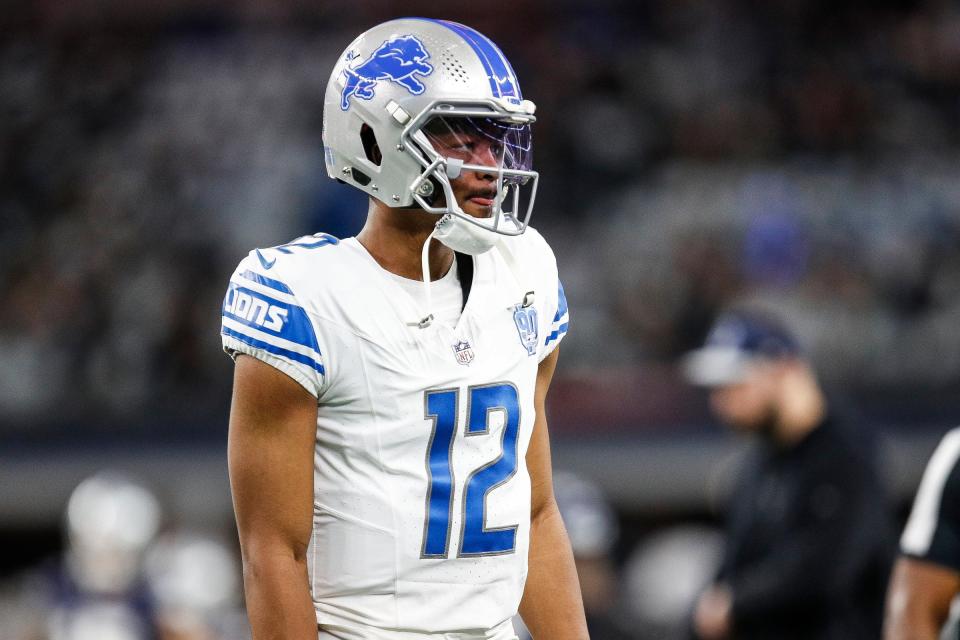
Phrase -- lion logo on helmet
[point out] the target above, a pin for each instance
(399, 59)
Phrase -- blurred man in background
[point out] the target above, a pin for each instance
(807, 539)
(926, 578)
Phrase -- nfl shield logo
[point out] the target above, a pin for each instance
(463, 352)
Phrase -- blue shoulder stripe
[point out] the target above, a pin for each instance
(503, 80)
(275, 350)
(274, 317)
(561, 302)
(558, 333)
(267, 282)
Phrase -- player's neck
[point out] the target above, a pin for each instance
(395, 237)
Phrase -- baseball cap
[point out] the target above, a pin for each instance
(736, 341)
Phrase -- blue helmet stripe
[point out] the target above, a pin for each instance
(503, 80)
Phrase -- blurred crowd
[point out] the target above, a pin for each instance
(798, 154)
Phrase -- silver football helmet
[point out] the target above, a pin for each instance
(413, 103)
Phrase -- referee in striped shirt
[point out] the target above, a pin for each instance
(927, 575)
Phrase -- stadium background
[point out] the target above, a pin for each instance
(802, 156)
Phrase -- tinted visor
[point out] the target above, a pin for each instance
(483, 141)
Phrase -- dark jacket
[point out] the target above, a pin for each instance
(810, 540)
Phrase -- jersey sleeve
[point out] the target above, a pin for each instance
(558, 327)
(262, 317)
(933, 530)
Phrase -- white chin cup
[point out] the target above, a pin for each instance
(462, 236)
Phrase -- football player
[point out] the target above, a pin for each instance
(388, 448)
(99, 591)
(926, 578)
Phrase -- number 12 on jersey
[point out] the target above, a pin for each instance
(442, 406)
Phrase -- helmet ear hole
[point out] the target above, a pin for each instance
(359, 177)
(370, 147)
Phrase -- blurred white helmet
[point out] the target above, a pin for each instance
(194, 580)
(400, 106)
(110, 522)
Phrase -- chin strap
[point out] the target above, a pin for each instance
(427, 320)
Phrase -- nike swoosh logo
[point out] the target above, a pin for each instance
(263, 261)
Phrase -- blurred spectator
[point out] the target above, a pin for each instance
(926, 578)
(807, 549)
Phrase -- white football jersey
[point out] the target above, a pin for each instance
(421, 491)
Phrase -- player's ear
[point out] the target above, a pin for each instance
(370, 146)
